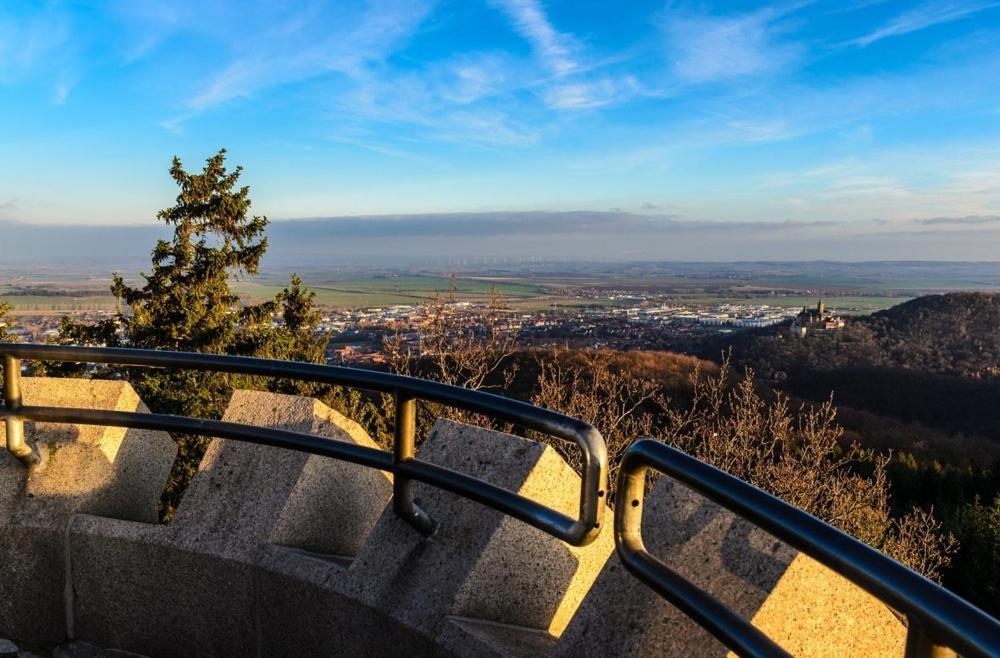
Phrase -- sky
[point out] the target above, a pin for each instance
(799, 123)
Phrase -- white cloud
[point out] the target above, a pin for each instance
(594, 93)
(34, 43)
(43, 46)
(486, 128)
(9, 208)
(568, 82)
(431, 104)
(706, 48)
(761, 131)
(924, 16)
(529, 19)
(291, 46)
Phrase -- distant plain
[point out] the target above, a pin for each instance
(849, 288)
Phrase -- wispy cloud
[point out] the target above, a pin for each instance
(300, 46)
(8, 208)
(27, 42)
(553, 47)
(587, 94)
(972, 220)
(707, 48)
(922, 17)
(451, 102)
(569, 80)
(770, 130)
(38, 45)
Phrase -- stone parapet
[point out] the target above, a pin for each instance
(111, 471)
(803, 606)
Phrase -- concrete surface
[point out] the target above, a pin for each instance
(483, 639)
(280, 579)
(806, 608)
(457, 571)
(111, 471)
(201, 573)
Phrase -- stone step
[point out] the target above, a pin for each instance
(342, 561)
(245, 495)
(803, 606)
(115, 472)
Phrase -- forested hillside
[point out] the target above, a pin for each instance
(921, 379)
(952, 334)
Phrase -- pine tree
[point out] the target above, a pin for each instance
(186, 302)
(6, 323)
(295, 339)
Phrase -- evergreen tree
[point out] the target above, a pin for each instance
(101, 334)
(6, 323)
(186, 302)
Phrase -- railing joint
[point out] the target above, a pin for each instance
(16, 444)
(403, 450)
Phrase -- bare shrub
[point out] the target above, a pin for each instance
(622, 406)
(795, 456)
(456, 347)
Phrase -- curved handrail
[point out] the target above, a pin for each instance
(937, 618)
(402, 463)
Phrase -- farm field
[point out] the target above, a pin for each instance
(845, 305)
(359, 292)
(48, 294)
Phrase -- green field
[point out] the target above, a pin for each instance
(527, 294)
(846, 305)
(384, 291)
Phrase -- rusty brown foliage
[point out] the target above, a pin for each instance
(725, 420)
(455, 351)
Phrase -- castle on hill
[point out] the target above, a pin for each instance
(815, 319)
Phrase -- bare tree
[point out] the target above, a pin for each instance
(458, 347)
(796, 456)
(620, 405)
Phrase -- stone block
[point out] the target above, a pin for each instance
(135, 589)
(283, 554)
(111, 471)
(245, 495)
(458, 571)
(249, 510)
(806, 608)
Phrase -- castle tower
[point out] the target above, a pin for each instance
(821, 308)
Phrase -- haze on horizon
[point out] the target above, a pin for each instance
(676, 130)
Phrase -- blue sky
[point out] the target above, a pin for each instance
(830, 113)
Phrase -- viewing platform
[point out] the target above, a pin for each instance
(300, 536)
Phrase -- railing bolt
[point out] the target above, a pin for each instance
(404, 448)
(12, 402)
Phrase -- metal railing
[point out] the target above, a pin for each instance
(938, 622)
(401, 462)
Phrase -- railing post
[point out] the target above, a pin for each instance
(920, 645)
(404, 448)
(12, 402)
